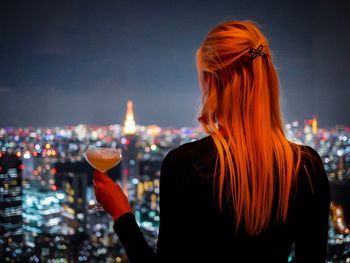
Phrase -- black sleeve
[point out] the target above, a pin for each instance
(312, 228)
(170, 233)
(133, 240)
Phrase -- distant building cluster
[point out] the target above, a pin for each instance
(46, 186)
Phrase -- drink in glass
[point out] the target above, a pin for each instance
(102, 159)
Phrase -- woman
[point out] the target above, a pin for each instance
(244, 193)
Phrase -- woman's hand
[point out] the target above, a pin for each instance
(110, 195)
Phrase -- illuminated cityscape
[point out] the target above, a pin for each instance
(45, 185)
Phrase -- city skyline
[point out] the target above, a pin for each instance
(57, 185)
(79, 63)
(130, 126)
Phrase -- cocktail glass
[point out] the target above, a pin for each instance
(102, 159)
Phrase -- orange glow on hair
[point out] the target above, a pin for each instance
(241, 97)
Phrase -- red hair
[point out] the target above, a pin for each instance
(241, 98)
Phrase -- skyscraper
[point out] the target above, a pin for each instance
(41, 213)
(129, 123)
(11, 232)
(314, 125)
(129, 146)
(73, 179)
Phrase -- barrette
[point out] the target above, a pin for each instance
(255, 52)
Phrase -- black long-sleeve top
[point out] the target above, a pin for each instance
(193, 229)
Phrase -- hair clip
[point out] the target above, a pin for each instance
(255, 52)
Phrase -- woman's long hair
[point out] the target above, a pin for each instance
(241, 111)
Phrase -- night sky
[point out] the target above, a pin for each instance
(78, 62)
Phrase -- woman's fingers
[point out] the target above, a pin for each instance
(101, 177)
(98, 185)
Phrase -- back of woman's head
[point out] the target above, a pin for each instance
(241, 111)
(238, 78)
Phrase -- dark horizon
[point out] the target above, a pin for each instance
(70, 63)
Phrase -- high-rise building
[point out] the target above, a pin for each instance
(39, 170)
(11, 232)
(41, 213)
(314, 125)
(44, 171)
(129, 123)
(129, 142)
(148, 191)
(73, 179)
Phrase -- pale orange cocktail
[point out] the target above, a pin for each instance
(103, 159)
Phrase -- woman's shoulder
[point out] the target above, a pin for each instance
(191, 150)
(181, 164)
(312, 171)
(309, 155)
(191, 154)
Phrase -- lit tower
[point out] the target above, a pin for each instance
(129, 145)
(314, 125)
(129, 123)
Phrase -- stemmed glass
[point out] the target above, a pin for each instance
(102, 159)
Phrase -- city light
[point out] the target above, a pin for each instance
(57, 185)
